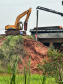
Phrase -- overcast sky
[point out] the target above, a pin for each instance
(10, 9)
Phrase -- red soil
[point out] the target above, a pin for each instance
(37, 51)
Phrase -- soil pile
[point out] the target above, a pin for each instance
(37, 51)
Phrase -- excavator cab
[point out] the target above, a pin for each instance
(20, 24)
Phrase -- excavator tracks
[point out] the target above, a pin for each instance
(12, 32)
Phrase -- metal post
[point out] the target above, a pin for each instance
(36, 24)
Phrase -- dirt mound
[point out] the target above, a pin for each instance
(37, 51)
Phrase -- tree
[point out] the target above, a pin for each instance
(54, 67)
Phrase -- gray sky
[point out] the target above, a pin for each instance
(10, 9)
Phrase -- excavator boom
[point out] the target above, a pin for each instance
(21, 15)
(28, 14)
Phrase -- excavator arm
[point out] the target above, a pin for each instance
(26, 20)
(28, 12)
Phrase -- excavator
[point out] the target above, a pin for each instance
(15, 29)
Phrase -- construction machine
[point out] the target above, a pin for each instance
(15, 29)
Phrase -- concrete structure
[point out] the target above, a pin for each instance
(49, 35)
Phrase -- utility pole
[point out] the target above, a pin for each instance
(36, 24)
(62, 2)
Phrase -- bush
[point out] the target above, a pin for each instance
(54, 67)
(30, 37)
(11, 50)
(1, 36)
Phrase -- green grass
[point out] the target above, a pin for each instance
(35, 79)
(1, 36)
(31, 37)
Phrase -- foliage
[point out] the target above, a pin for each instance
(35, 79)
(54, 67)
(27, 73)
(14, 74)
(11, 50)
(4, 36)
(1, 36)
(31, 37)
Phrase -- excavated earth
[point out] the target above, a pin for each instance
(35, 50)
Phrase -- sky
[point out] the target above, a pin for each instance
(10, 9)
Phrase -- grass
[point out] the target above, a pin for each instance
(0, 36)
(31, 37)
(35, 79)
(27, 78)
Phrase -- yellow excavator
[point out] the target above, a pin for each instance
(15, 29)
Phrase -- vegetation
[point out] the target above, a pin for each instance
(0, 36)
(26, 78)
(31, 37)
(14, 74)
(54, 67)
(35, 79)
(11, 50)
